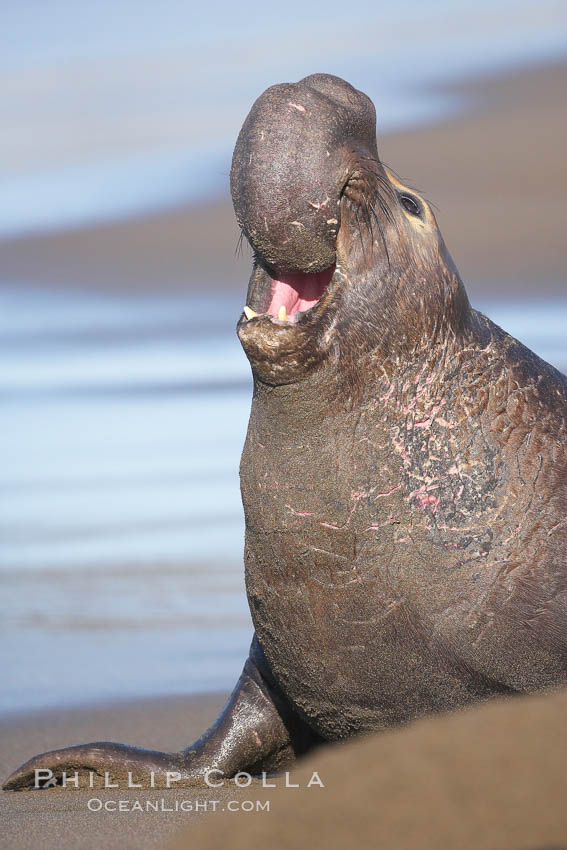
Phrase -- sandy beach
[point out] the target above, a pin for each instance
(496, 173)
(56, 817)
(488, 778)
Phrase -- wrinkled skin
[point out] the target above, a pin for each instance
(404, 477)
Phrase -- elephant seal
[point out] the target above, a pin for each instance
(404, 477)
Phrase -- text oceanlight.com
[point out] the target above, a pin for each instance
(95, 804)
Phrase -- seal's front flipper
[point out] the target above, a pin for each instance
(94, 765)
(257, 730)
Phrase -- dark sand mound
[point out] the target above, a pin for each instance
(494, 776)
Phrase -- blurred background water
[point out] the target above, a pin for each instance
(111, 108)
(123, 414)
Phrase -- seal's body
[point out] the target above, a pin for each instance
(404, 477)
(407, 554)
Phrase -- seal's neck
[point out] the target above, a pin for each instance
(364, 359)
(401, 317)
(291, 409)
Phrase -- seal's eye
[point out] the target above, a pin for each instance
(411, 205)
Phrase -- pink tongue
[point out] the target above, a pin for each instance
(298, 291)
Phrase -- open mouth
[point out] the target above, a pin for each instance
(292, 295)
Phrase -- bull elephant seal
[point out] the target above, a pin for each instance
(404, 477)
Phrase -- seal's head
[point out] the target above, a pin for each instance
(347, 260)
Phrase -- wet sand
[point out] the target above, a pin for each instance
(496, 173)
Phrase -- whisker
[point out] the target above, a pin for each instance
(385, 193)
(381, 232)
(359, 230)
(368, 217)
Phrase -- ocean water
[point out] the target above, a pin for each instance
(122, 421)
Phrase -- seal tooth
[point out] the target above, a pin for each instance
(249, 312)
(282, 314)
